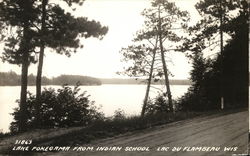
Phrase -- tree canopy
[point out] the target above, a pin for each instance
(36, 24)
(147, 54)
(226, 72)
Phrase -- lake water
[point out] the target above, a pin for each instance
(111, 97)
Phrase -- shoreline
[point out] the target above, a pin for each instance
(63, 135)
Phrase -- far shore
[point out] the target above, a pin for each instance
(115, 82)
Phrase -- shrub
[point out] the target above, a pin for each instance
(65, 107)
(157, 105)
(119, 114)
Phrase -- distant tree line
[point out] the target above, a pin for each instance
(220, 80)
(147, 55)
(30, 27)
(13, 79)
(142, 81)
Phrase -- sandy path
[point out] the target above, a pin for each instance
(229, 130)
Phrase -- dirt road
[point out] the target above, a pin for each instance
(202, 136)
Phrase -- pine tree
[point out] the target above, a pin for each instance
(161, 21)
(216, 17)
(218, 80)
(61, 31)
(27, 26)
(17, 18)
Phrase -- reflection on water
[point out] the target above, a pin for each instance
(111, 97)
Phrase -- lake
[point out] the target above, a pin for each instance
(110, 97)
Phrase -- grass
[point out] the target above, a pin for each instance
(108, 127)
(112, 127)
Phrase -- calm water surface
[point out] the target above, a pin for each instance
(110, 97)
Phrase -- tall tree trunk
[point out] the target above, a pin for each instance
(221, 62)
(24, 47)
(149, 80)
(244, 65)
(40, 64)
(23, 97)
(164, 65)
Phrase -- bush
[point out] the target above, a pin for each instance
(157, 105)
(62, 108)
(119, 114)
(195, 101)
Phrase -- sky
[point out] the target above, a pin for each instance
(101, 58)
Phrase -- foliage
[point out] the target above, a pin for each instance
(227, 73)
(204, 93)
(13, 79)
(9, 78)
(119, 114)
(16, 15)
(63, 31)
(72, 79)
(216, 15)
(158, 105)
(17, 19)
(236, 66)
(146, 41)
(147, 55)
(65, 107)
(109, 127)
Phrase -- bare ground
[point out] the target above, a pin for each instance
(229, 130)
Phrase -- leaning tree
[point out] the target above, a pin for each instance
(158, 36)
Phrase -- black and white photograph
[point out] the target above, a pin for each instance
(124, 77)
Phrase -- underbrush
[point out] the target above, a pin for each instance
(114, 126)
(111, 127)
(122, 125)
(2, 135)
(69, 108)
